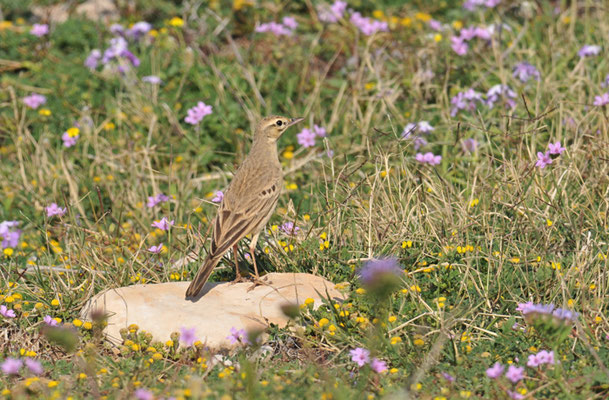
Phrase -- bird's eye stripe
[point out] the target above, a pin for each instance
(279, 123)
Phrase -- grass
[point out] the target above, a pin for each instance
(476, 235)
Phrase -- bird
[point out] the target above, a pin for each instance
(248, 202)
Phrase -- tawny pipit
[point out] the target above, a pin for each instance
(249, 200)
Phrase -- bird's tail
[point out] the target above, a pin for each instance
(202, 276)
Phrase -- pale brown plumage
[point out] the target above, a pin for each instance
(249, 201)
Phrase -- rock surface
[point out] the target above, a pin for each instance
(162, 309)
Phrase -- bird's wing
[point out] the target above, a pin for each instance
(239, 216)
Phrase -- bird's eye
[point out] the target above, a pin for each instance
(279, 123)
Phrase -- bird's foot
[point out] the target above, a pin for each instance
(257, 281)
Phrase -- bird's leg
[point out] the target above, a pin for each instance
(257, 281)
(238, 278)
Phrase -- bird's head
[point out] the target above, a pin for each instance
(271, 128)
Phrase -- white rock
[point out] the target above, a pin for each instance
(161, 309)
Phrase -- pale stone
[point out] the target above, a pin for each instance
(161, 309)
(96, 10)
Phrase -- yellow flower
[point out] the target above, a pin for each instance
(55, 302)
(396, 340)
(288, 155)
(52, 384)
(419, 342)
(45, 112)
(239, 4)
(407, 243)
(437, 37)
(109, 126)
(176, 21)
(309, 301)
(73, 131)
(407, 21)
(332, 329)
(8, 252)
(378, 14)
(82, 376)
(393, 371)
(549, 222)
(77, 323)
(457, 25)
(422, 16)
(369, 85)
(392, 318)
(324, 321)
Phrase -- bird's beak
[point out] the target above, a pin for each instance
(294, 121)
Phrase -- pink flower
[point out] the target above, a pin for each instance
(514, 395)
(275, 28)
(555, 148)
(368, 26)
(290, 22)
(50, 321)
(601, 100)
(164, 224)
(69, 140)
(543, 357)
(156, 249)
(525, 71)
(152, 79)
(143, 394)
(543, 159)
(238, 336)
(155, 200)
(469, 145)
(459, 45)
(11, 366)
(306, 138)
(93, 59)
(34, 100)
(428, 158)
(589, 50)
(378, 366)
(188, 336)
(495, 371)
(39, 30)
(360, 356)
(332, 13)
(34, 366)
(6, 313)
(218, 197)
(54, 209)
(197, 113)
(514, 373)
(319, 131)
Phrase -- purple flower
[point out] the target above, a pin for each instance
(498, 92)
(467, 100)
(290, 22)
(546, 357)
(218, 197)
(428, 158)
(495, 371)
(605, 83)
(69, 140)
(377, 365)
(143, 394)
(601, 100)
(525, 71)
(117, 29)
(11, 366)
(448, 377)
(156, 249)
(333, 13)
(50, 321)
(138, 30)
(319, 131)
(368, 26)
(6, 313)
(555, 148)
(238, 336)
(360, 356)
(197, 113)
(469, 145)
(409, 129)
(514, 395)
(289, 228)
(39, 30)
(9, 233)
(589, 50)
(514, 373)
(164, 224)
(306, 138)
(275, 28)
(152, 79)
(54, 209)
(471, 5)
(188, 336)
(34, 100)
(459, 45)
(424, 127)
(93, 59)
(419, 142)
(34, 366)
(373, 269)
(435, 25)
(420, 127)
(155, 200)
(543, 159)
